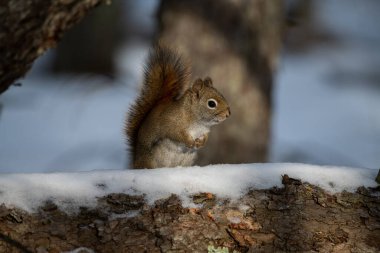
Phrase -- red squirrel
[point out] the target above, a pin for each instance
(171, 119)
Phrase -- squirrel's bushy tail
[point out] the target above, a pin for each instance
(165, 77)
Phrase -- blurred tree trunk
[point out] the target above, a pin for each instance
(236, 43)
(29, 28)
(298, 217)
(90, 46)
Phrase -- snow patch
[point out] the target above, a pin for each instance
(71, 190)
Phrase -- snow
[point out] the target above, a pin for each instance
(68, 123)
(71, 190)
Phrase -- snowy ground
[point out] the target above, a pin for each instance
(70, 190)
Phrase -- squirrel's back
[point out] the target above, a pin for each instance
(165, 77)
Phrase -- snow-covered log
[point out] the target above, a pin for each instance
(246, 208)
(29, 28)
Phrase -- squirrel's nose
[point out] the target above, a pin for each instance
(228, 113)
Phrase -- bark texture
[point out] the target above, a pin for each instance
(236, 43)
(29, 28)
(298, 217)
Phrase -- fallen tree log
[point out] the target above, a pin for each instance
(297, 217)
(29, 28)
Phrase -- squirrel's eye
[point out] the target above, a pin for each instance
(211, 103)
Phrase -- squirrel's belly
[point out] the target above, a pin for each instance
(168, 153)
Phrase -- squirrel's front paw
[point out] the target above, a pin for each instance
(200, 142)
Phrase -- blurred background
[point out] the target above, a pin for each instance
(302, 78)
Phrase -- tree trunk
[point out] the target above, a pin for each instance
(90, 46)
(298, 217)
(236, 43)
(29, 28)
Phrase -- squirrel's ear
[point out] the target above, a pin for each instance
(208, 81)
(197, 86)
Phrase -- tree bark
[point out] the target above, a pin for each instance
(298, 217)
(29, 28)
(236, 43)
